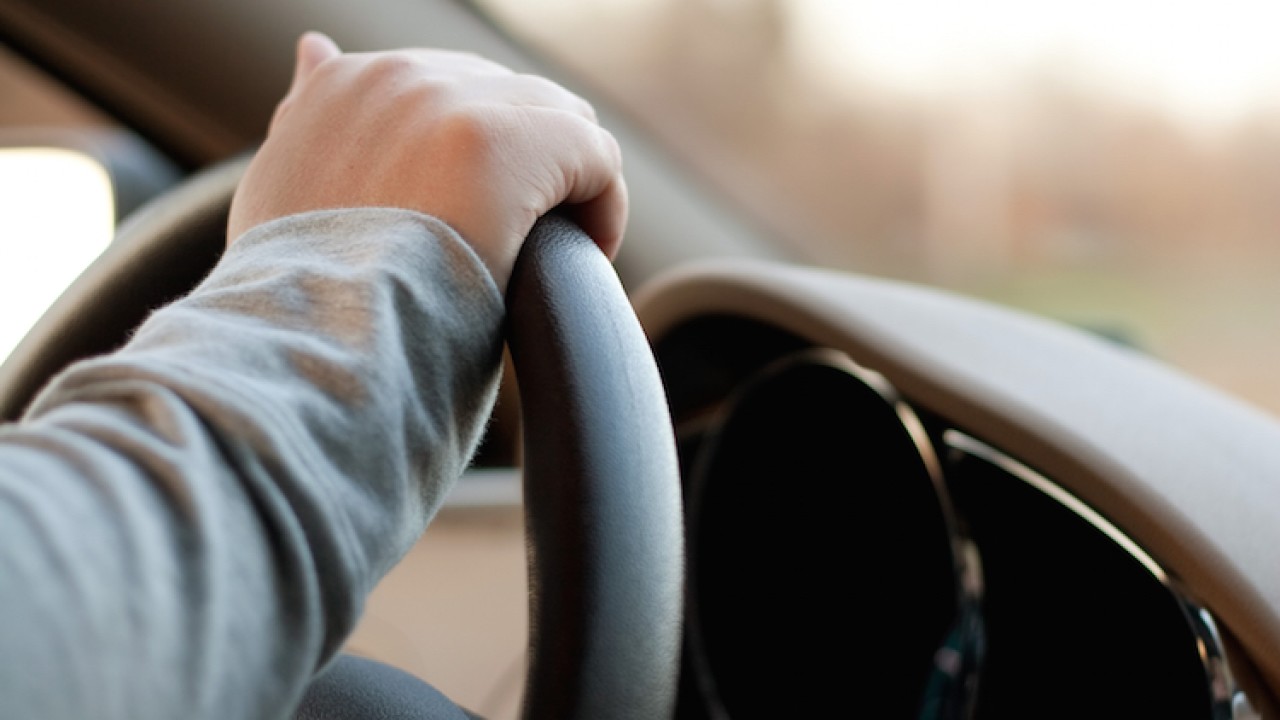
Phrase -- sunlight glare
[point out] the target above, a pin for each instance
(56, 215)
(1210, 61)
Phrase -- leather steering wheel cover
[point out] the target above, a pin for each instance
(601, 486)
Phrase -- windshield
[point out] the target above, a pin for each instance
(1112, 164)
(57, 208)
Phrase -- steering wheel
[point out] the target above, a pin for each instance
(601, 479)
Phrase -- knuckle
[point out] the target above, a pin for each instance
(468, 129)
(330, 67)
(541, 84)
(480, 62)
(583, 108)
(592, 135)
(387, 68)
(612, 148)
(608, 149)
(555, 93)
(473, 57)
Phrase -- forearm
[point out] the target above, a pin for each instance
(215, 501)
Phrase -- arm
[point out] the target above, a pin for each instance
(188, 527)
(191, 525)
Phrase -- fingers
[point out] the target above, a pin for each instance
(596, 193)
(535, 90)
(604, 217)
(459, 60)
(312, 50)
(448, 134)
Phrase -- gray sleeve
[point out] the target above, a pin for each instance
(189, 527)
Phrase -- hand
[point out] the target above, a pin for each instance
(452, 135)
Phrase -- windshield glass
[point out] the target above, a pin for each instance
(57, 209)
(1112, 164)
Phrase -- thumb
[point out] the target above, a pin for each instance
(313, 49)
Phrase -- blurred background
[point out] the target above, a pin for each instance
(57, 205)
(1111, 163)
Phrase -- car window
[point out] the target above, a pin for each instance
(1112, 164)
(56, 204)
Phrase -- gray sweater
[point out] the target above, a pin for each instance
(189, 526)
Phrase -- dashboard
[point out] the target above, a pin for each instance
(851, 547)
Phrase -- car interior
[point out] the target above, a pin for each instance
(789, 488)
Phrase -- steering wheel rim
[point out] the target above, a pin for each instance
(601, 479)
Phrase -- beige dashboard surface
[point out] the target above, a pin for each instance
(1192, 475)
